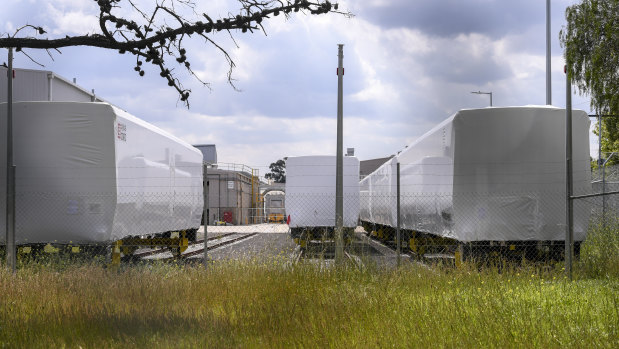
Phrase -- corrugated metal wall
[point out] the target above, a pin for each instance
(28, 85)
(33, 85)
(229, 192)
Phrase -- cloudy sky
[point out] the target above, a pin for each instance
(409, 65)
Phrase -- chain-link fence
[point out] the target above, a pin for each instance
(605, 180)
(164, 220)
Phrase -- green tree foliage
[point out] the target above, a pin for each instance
(591, 43)
(610, 138)
(278, 171)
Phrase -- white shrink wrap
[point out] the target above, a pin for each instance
(382, 184)
(92, 173)
(492, 174)
(310, 191)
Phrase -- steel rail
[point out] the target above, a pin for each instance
(212, 247)
(167, 249)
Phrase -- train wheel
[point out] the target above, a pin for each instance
(191, 235)
(176, 252)
(530, 253)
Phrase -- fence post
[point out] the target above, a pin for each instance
(399, 242)
(603, 195)
(569, 231)
(205, 212)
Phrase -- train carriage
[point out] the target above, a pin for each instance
(489, 179)
(310, 195)
(91, 173)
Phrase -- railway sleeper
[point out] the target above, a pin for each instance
(320, 239)
(176, 242)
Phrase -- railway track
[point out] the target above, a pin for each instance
(406, 254)
(324, 255)
(232, 240)
(194, 249)
(152, 252)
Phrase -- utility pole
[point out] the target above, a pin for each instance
(11, 258)
(339, 162)
(548, 77)
(569, 217)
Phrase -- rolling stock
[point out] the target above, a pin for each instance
(274, 208)
(90, 173)
(484, 181)
(310, 195)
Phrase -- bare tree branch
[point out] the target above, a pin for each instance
(161, 32)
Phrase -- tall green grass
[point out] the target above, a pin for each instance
(599, 253)
(271, 304)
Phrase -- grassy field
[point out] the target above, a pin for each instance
(271, 304)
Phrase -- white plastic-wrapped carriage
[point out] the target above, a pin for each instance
(92, 173)
(492, 174)
(310, 192)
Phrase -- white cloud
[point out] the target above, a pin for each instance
(376, 90)
(72, 18)
(400, 80)
(212, 66)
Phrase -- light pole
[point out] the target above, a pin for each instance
(484, 93)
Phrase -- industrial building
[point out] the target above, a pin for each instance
(368, 166)
(233, 195)
(43, 85)
(209, 152)
(233, 190)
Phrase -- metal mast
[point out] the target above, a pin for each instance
(339, 173)
(569, 212)
(548, 78)
(11, 258)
